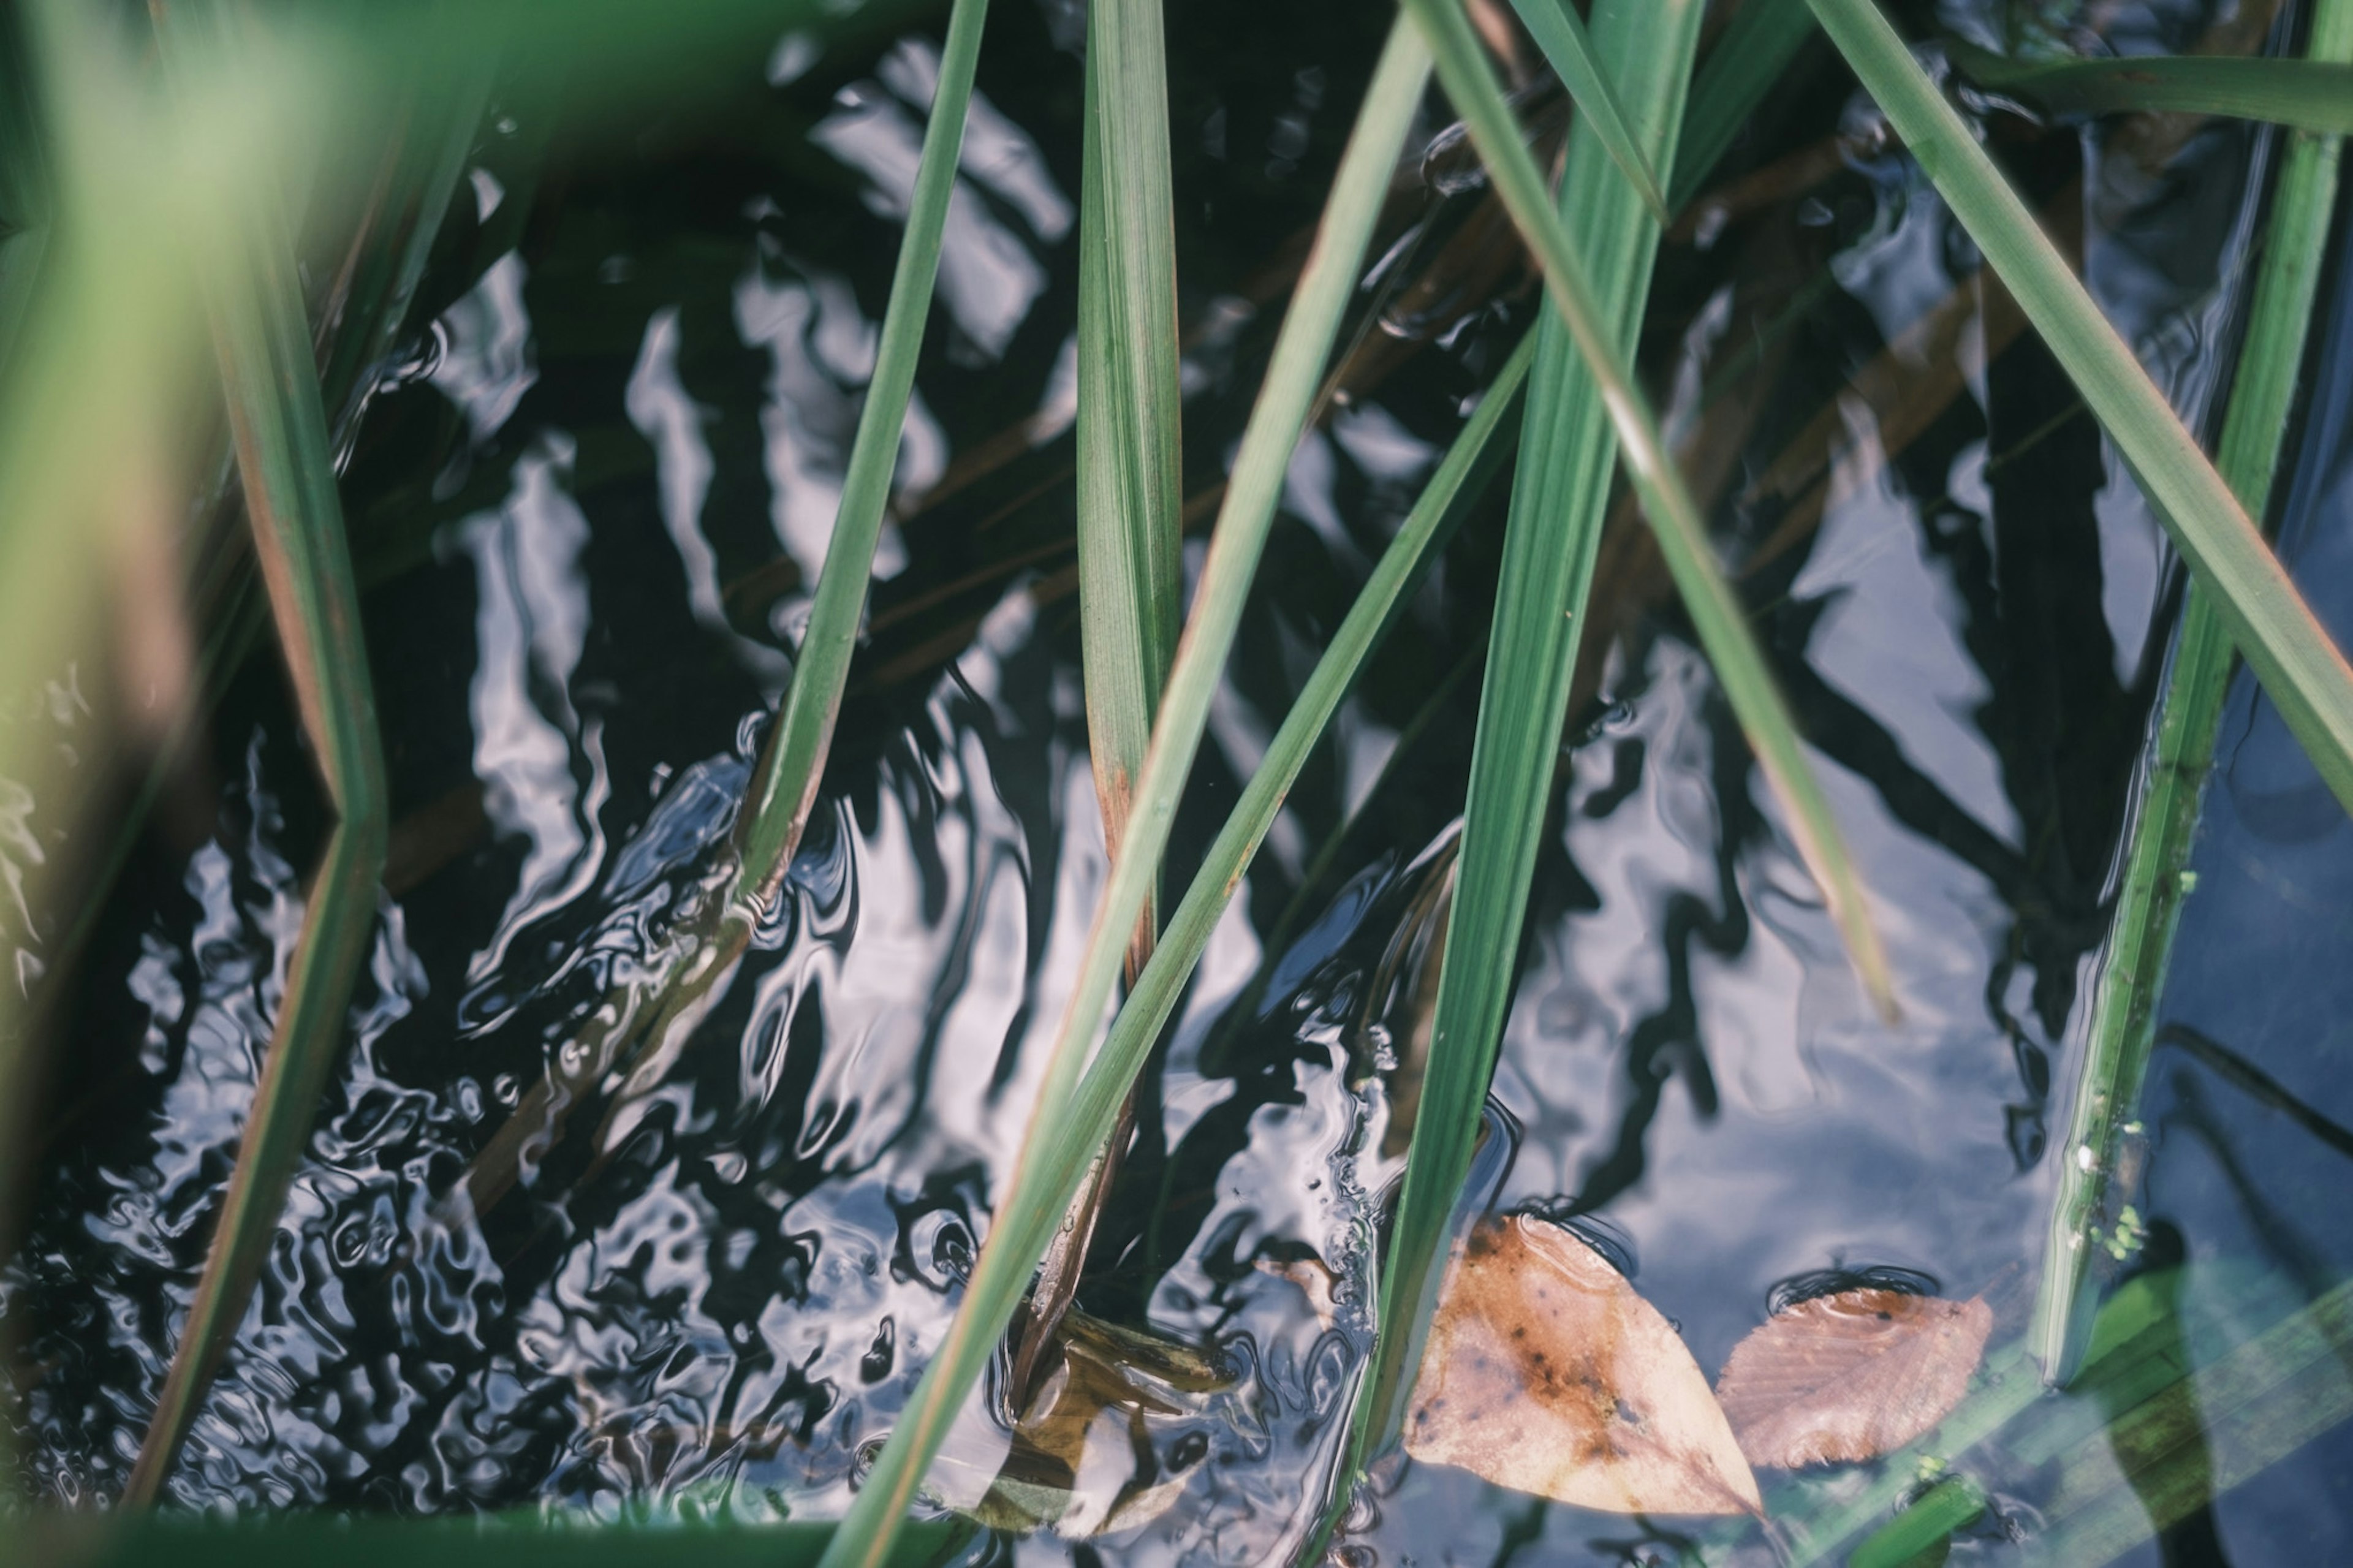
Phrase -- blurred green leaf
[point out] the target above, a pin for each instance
(2314, 94)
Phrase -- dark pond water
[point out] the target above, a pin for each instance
(586, 516)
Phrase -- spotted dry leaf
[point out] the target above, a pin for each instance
(1847, 1377)
(1547, 1374)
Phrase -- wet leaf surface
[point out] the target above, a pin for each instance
(1547, 1374)
(1847, 1377)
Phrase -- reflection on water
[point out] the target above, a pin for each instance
(709, 1298)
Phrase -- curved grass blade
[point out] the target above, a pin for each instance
(2311, 94)
(1560, 497)
(1277, 419)
(792, 763)
(1561, 36)
(2300, 668)
(1744, 63)
(2149, 906)
(1131, 572)
(279, 428)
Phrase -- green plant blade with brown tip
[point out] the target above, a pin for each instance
(1036, 1201)
(2301, 670)
(2133, 965)
(1129, 528)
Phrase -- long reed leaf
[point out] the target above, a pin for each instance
(2300, 668)
(1129, 528)
(1560, 496)
(1561, 36)
(2106, 1095)
(2311, 94)
(279, 429)
(1715, 613)
(1277, 419)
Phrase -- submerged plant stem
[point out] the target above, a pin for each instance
(2149, 906)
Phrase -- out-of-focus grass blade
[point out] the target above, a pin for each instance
(279, 428)
(1715, 613)
(1560, 495)
(1743, 64)
(1561, 36)
(792, 766)
(2300, 668)
(1129, 528)
(1278, 417)
(2149, 906)
(2308, 94)
(525, 1539)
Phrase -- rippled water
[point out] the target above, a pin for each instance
(588, 515)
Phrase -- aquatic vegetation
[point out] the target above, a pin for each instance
(1284, 842)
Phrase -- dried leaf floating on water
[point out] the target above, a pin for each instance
(1847, 1377)
(1547, 1374)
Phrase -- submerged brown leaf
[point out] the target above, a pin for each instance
(1547, 1374)
(1847, 1377)
(1102, 1447)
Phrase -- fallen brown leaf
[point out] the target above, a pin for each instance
(1547, 1374)
(1849, 1377)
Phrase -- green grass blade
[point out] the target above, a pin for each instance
(2300, 668)
(1131, 579)
(1716, 614)
(1743, 65)
(1277, 419)
(792, 764)
(1029, 1211)
(1561, 36)
(2149, 906)
(280, 433)
(1560, 497)
(1130, 530)
(2308, 94)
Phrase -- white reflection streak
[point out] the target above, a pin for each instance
(486, 363)
(658, 406)
(988, 277)
(529, 629)
(996, 152)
